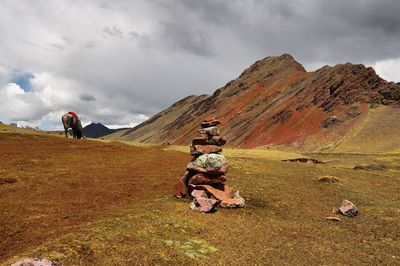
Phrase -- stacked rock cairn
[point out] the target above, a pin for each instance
(204, 179)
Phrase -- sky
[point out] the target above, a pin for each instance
(120, 62)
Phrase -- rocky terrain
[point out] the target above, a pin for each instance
(276, 102)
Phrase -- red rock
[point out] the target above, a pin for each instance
(202, 202)
(210, 123)
(206, 141)
(224, 195)
(204, 149)
(203, 179)
(180, 189)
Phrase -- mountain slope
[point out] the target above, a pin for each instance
(276, 102)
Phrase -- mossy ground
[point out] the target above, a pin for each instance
(282, 223)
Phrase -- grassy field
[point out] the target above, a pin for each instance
(98, 203)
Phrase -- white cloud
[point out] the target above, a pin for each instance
(388, 69)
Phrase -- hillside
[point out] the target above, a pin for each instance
(275, 102)
(97, 130)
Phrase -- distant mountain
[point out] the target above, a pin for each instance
(276, 102)
(97, 130)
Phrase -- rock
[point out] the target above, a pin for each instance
(202, 202)
(370, 167)
(210, 131)
(348, 209)
(180, 189)
(333, 218)
(209, 141)
(235, 202)
(327, 179)
(205, 179)
(211, 123)
(204, 149)
(391, 93)
(8, 180)
(213, 164)
(224, 195)
(35, 262)
(304, 160)
(330, 122)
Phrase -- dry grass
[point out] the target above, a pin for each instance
(284, 221)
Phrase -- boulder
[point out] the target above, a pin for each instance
(348, 209)
(180, 189)
(212, 164)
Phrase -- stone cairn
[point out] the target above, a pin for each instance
(204, 179)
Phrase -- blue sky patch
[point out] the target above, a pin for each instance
(23, 79)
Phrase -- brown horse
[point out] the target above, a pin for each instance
(71, 120)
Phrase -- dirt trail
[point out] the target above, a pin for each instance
(65, 184)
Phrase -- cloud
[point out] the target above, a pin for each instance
(119, 64)
(87, 97)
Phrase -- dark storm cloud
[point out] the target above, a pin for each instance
(87, 97)
(132, 59)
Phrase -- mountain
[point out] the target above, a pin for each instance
(276, 102)
(97, 130)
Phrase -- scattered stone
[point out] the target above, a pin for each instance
(8, 180)
(348, 209)
(35, 262)
(333, 218)
(304, 160)
(327, 179)
(204, 180)
(370, 167)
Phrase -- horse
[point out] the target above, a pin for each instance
(71, 120)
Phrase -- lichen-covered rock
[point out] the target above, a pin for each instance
(212, 164)
(35, 262)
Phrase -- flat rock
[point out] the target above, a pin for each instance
(333, 218)
(204, 179)
(209, 141)
(204, 149)
(210, 131)
(304, 160)
(211, 123)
